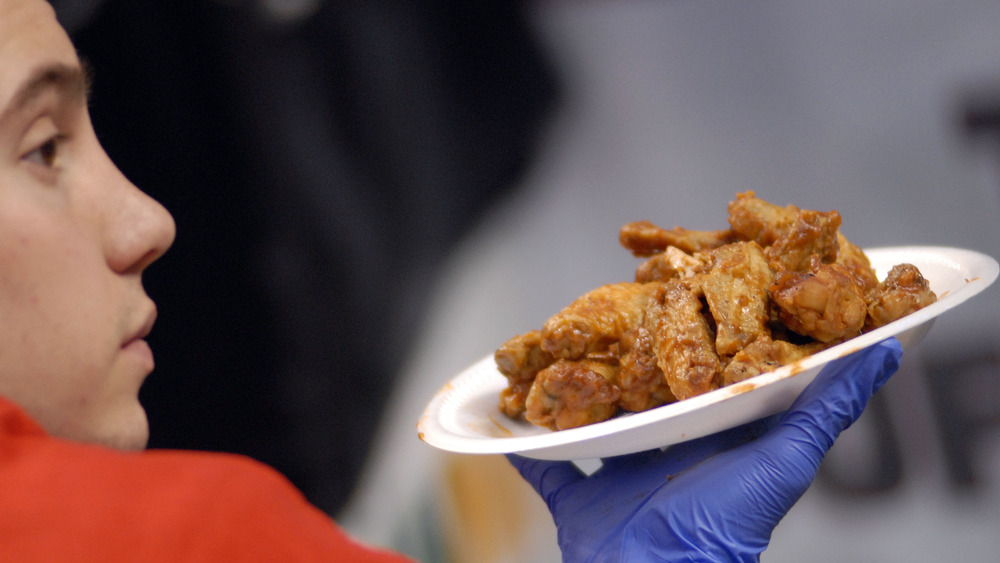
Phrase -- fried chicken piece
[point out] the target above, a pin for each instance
(764, 355)
(672, 263)
(572, 393)
(854, 258)
(595, 320)
(791, 236)
(640, 378)
(812, 233)
(826, 303)
(513, 398)
(521, 357)
(659, 267)
(904, 291)
(758, 220)
(646, 239)
(736, 290)
(519, 360)
(684, 341)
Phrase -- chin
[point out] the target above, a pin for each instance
(128, 433)
(132, 442)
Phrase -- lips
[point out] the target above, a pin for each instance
(136, 345)
(140, 350)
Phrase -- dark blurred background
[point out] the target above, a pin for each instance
(319, 159)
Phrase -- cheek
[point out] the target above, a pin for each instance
(59, 365)
(57, 315)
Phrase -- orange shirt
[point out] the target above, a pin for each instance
(65, 501)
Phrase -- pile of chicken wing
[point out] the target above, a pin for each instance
(706, 309)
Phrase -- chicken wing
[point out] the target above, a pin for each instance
(812, 233)
(595, 320)
(736, 290)
(672, 263)
(854, 258)
(764, 355)
(513, 398)
(791, 236)
(640, 378)
(684, 341)
(904, 291)
(758, 220)
(826, 303)
(646, 239)
(521, 357)
(572, 393)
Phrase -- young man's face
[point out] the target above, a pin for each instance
(75, 236)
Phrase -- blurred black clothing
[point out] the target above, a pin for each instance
(318, 169)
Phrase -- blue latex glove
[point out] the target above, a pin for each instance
(717, 498)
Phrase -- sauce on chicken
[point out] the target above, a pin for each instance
(705, 309)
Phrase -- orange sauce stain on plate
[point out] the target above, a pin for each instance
(504, 431)
(742, 387)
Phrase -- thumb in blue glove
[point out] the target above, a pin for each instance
(717, 498)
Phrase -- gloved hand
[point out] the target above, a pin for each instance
(717, 498)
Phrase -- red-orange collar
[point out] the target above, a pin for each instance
(15, 421)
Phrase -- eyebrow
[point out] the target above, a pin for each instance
(71, 82)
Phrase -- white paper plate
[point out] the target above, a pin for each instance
(463, 416)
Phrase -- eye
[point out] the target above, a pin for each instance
(46, 154)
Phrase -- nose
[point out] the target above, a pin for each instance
(140, 229)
